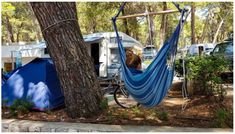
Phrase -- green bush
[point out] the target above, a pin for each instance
(110, 116)
(4, 102)
(124, 115)
(20, 106)
(179, 67)
(221, 117)
(206, 71)
(162, 115)
(104, 104)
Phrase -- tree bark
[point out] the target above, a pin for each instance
(193, 41)
(18, 32)
(163, 25)
(150, 39)
(217, 31)
(125, 23)
(205, 27)
(76, 72)
(9, 30)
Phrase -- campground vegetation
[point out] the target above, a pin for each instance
(21, 22)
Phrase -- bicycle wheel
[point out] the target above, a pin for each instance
(123, 99)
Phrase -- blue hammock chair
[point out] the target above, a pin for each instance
(150, 87)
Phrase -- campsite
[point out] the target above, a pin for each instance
(148, 64)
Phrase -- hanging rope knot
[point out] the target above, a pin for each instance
(54, 24)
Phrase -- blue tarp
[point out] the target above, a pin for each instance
(37, 81)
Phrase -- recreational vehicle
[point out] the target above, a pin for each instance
(102, 47)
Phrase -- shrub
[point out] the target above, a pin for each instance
(206, 71)
(162, 115)
(138, 113)
(221, 117)
(20, 106)
(179, 67)
(110, 116)
(124, 115)
(4, 102)
(104, 104)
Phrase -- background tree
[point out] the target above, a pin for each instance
(96, 17)
(19, 21)
(7, 12)
(58, 21)
(193, 40)
(163, 24)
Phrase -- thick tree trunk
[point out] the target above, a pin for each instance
(163, 25)
(193, 40)
(76, 72)
(9, 31)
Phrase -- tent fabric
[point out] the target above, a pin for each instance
(36, 82)
(150, 87)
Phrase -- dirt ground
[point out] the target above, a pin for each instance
(200, 111)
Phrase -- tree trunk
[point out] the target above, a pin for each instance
(76, 72)
(37, 27)
(150, 39)
(38, 31)
(163, 25)
(193, 41)
(9, 31)
(205, 27)
(18, 32)
(125, 23)
(217, 31)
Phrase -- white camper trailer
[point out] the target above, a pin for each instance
(102, 47)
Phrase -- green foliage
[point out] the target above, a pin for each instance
(96, 17)
(49, 112)
(178, 67)
(136, 110)
(8, 9)
(124, 115)
(138, 113)
(20, 106)
(221, 117)
(104, 104)
(110, 116)
(4, 102)
(21, 19)
(206, 71)
(162, 115)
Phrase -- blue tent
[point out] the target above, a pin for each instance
(37, 82)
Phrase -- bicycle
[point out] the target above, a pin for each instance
(120, 94)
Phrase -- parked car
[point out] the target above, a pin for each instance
(149, 50)
(225, 49)
(114, 68)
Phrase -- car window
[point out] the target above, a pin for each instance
(223, 48)
(209, 49)
(229, 49)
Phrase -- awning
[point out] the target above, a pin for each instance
(91, 39)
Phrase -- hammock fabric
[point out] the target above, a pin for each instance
(150, 87)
